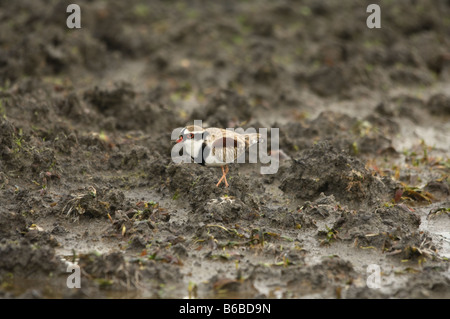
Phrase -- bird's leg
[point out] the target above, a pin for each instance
(220, 180)
(224, 176)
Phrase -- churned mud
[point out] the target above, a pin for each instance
(87, 179)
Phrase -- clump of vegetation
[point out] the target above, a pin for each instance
(330, 235)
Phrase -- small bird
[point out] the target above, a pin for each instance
(215, 146)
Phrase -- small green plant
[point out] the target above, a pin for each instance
(330, 235)
(355, 148)
(141, 10)
(104, 283)
(389, 204)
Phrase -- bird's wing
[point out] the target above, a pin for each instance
(227, 147)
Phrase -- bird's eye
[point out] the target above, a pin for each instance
(192, 135)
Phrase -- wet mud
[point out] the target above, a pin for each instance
(87, 179)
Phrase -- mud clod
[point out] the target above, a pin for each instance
(88, 123)
(324, 169)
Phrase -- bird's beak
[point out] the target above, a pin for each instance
(179, 140)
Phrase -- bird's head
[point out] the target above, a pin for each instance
(192, 138)
(191, 133)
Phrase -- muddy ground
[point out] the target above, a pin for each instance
(86, 177)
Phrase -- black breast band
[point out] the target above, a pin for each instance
(202, 154)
